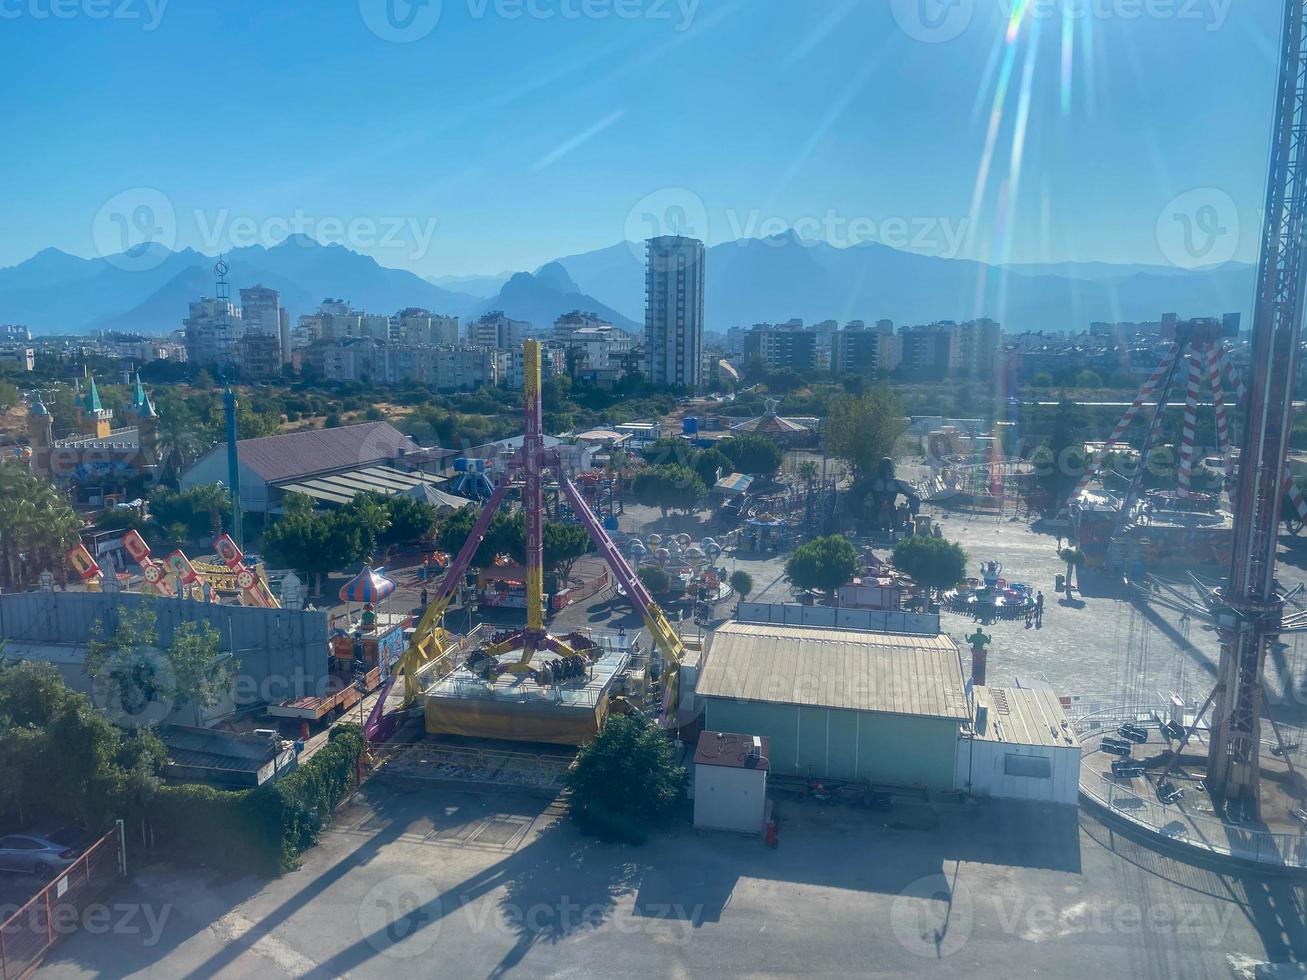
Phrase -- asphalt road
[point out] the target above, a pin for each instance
(423, 879)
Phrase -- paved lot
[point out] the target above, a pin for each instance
(428, 879)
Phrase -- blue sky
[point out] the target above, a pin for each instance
(510, 132)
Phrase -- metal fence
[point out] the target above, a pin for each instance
(1174, 820)
(54, 912)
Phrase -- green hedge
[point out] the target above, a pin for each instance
(262, 830)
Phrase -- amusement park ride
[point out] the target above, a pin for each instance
(1248, 609)
(430, 638)
(177, 577)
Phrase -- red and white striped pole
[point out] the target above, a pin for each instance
(1218, 405)
(1189, 433)
(1150, 386)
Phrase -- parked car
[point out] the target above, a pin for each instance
(41, 852)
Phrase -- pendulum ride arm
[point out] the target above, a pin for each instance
(428, 637)
(533, 502)
(664, 634)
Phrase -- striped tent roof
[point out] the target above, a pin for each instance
(366, 586)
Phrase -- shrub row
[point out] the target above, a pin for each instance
(264, 830)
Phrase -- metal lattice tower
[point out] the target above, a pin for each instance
(1248, 612)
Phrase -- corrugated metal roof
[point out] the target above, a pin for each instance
(341, 488)
(296, 455)
(1023, 716)
(860, 671)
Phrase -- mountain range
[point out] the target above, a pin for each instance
(748, 281)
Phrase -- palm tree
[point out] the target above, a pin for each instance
(179, 443)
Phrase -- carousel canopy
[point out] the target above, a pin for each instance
(366, 586)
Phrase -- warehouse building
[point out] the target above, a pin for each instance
(885, 708)
(1020, 746)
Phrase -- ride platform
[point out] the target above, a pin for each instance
(485, 701)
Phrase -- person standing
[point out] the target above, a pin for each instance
(1039, 608)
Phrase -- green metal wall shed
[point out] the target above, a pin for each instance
(840, 704)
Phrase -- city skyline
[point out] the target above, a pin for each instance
(407, 163)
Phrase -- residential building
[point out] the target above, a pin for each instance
(18, 358)
(417, 327)
(674, 319)
(496, 330)
(15, 331)
(973, 348)
(261, 310)
(779, 347)
(213, 329)
(569, 323)
(857, 350)
(925, 349)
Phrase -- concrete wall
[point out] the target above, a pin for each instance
(794, 614)
(983, 764)
(282, 652)
(726, 798)
(833, 743)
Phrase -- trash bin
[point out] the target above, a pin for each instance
(1059, 582)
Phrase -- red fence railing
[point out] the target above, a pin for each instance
(56, 910)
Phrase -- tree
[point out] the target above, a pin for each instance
(63, 760)
(9, 396)
(1060, 462)
(1089, 379)
(316, 544)
(135, 673)
(37, 525)
(934, 563)
(368, 512)
(624, 781)
(863, 429)
(564, 544)
(410, 520)
(710, 465)
(823, 563)
(756, 455)
(655, 579)
(200, 509)
(741, 583)
(669, 487)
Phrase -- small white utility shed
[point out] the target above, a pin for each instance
(730, 782)
(1019, 745)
